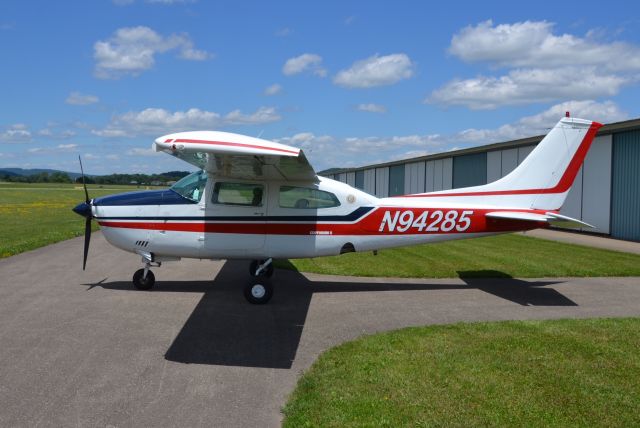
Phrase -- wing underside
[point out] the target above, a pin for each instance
(236, 156)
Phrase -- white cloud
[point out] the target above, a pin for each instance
(525, 86)
(376, 71)
(327, 151)
(132, 50)
(543, 66)
(60, 148)
(113, 157)
(90, 156)
(260, 116)
(51, 134)
(305, 62)
(532, 44)
(142, 152)
(274, 89)
(372, 108)
(16, 133)
(157, 121)
(284, 32)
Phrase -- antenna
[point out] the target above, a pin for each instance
(260, 134)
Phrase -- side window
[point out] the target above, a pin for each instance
(237, 194)
(302, 197)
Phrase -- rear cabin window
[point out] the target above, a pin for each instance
(302, 197)
(238, 194)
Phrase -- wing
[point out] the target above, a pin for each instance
(224, 154)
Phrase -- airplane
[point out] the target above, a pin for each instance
(259, 200)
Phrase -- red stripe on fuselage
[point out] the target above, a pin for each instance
(369, 225)
(563, 185)
(224, 143)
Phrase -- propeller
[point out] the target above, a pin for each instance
(84, 209)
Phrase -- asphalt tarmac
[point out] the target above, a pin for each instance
(86, 349)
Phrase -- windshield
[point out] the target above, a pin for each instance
(191, 186)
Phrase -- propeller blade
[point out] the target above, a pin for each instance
(87, 239)
(86, 193)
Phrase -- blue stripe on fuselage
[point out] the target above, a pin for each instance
(145, 197)
(352, 216)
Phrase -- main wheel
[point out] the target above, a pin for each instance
(258, 293)
(143, 283)
(253, 266)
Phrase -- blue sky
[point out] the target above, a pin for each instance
(352, 83)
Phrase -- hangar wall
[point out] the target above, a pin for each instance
(605, 194)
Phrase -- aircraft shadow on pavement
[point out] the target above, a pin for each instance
(224, 329)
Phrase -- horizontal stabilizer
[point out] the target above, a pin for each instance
(564, 221)
(551, 218)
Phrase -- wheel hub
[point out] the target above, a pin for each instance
(258, 291)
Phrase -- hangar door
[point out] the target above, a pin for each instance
(625, 192)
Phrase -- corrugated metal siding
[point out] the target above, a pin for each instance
(429, 175)
(370, 181)
(625, 195)
(470, 170)
(437, 174)
(509, 161)
(523, 152)
(382, 182)
(359, 180)
(414, 177)
(351, 178)
(447, 173)
(494, 165)
(396, 180)
(596, 185)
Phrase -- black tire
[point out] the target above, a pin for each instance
(258, 293)
(143, 283)
(253, 266)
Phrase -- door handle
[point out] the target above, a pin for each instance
(258, 213)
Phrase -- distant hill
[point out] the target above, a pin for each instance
(73, 175)
(27, 172)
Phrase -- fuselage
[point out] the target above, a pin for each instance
(211, 218)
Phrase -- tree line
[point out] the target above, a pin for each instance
(62, 177)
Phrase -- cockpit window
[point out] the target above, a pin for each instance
(192, 186)
(303, 197)
(237, 194)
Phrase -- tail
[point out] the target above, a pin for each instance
(542, 181)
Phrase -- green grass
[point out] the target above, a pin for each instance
(38, 214)
(533, 373)
(504, 255)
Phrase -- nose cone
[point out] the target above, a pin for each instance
(83, 209)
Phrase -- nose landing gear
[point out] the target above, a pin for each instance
(144, 279)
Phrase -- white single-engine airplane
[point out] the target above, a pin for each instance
(259, 200)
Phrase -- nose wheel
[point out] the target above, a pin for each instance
(142, 281)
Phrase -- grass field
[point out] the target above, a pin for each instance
(533, 373)
(34, 215)
(504, 255)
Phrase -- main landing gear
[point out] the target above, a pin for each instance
(260, 290)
